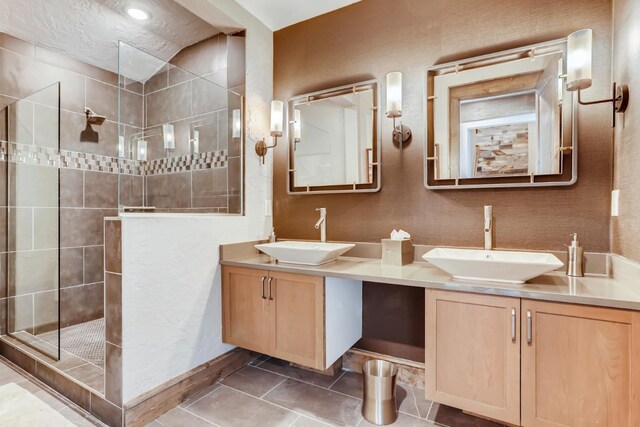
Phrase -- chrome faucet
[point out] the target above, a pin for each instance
(322, 224)
(488, 228)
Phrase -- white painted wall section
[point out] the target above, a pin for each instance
(343, 317)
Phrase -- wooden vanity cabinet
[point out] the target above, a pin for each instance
(308, 320)
(472, 346)
(533, 363)
(245, 309)
(580, 365)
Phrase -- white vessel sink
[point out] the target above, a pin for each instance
(494, 266)
(308, 253)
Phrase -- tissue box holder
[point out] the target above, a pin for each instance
(397, 252)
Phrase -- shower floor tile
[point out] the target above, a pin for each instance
(85, 340)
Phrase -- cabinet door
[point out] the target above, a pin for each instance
(297, 318)
(245, 308)
(579, 366)
(473, 353)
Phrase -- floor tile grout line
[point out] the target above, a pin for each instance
(202, 397)
(261, 362)
(274, 404)
(85, 415)
(415, 402)
(336, 391)
(197, 416)
(302, 381)
(318, 420)
(294, 421)
(324, 388)
(272, 388)
(330, 389)
(337, 379)
(429, 411)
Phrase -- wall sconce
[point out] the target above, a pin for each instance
(142, 150)
(401, 133)
(168, 137)
(277, 115)
(579, 58)
(236, 119)
(297, 128)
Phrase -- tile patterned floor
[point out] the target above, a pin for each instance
(269, 392)
(9, 373)
(266, 393)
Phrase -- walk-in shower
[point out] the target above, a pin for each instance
(153, 137)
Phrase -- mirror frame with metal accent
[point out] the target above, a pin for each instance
(374, 166)
(568, 146)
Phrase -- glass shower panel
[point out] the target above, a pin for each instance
(33, 218)
(186, 155)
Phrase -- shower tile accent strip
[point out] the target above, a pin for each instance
(48, 156)
(210, 160)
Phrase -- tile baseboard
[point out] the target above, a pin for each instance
(149, 406)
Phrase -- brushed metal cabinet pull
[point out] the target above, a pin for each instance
(513, 324)
(270, 289)
(264, 278)
(529, 327)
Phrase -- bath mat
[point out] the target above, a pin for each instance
(19, 408)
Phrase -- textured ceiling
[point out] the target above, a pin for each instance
(277, 14)
(89, 30)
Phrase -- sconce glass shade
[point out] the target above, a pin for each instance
(121, 151)
(142, 150)
(168, 136)
(579, 55)
(394, 94)
(277, 109)
(297, 125)
(195, 142)
(237, 124)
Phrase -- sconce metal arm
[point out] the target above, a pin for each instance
(262, 147)
(619, 100)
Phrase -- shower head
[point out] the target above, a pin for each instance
(93, 118)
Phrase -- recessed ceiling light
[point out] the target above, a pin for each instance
(138, 14)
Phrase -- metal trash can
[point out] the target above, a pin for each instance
(379, 400)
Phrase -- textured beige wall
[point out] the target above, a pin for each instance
(625, 229)
(370, 38)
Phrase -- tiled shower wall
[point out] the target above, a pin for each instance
(189, 102)
(86, 196)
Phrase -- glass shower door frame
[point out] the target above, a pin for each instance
(22, 159)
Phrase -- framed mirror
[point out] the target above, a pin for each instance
(501, 120)
(334, 140)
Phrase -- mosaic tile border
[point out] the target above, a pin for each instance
(209, 160)
(47, 156)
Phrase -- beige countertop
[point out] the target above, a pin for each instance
(599, 290)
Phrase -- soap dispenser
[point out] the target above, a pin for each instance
(574, 257)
